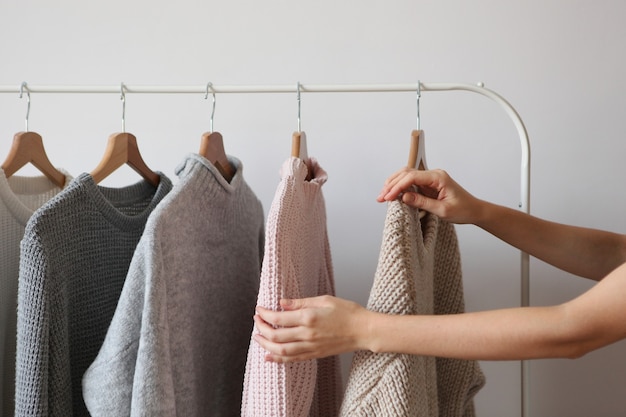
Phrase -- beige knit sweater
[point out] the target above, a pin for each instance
(419, 272)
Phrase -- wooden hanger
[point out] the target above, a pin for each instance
(417, 152)
(299, 150)
(122, 149)
(417, 155)
(212, 148)
(27, 148)
(212, 145)
(298, 146)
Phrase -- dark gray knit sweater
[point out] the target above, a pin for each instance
(74, 258)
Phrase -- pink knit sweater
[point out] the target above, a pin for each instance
(296, 264)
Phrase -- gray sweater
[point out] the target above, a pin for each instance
(177, 344)
(75, 255)
(19, 198)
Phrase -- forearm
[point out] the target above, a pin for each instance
(585, 252)
(510, 334)
(323, 326)
(588, 322)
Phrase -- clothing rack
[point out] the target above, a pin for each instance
(419, 87)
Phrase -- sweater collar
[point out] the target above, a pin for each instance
(235, 183)
(109, 200)
(23, 195)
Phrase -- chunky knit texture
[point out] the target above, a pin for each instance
(74, 258)
(19, 198)
(178, 342)
(297, 264)
(419, 272)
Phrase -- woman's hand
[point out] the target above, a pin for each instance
(312, 328)
(436, 193)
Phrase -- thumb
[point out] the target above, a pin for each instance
(300, 303)
(414, 199)
(292, 304)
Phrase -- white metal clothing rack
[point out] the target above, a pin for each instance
(419, 87)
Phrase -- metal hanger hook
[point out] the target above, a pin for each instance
(209, 86)
(419, 94)
(123, 98)
(299, 102)
(23, 87)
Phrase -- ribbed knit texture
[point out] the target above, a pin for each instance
(74, 258)
(178, 342)
(297, 264)
(19, 198)
(419, 272)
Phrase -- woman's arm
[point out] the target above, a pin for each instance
(323, 326)
(585, 252)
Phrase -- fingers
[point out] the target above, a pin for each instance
(390, 182)
(276, 334)
(303, 330)
(282, 344)
(279, 318)
(403, 180)
(291, 304)
(397, 174)
(293, 313)
(301, 303)
(414, 199)
(285, 352)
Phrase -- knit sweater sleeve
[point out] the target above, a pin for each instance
(43, 382)
(130, 376)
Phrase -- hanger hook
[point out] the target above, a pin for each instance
(298, 97)
(209, 86)
(419, 94)
(23, 87)
(123, 98)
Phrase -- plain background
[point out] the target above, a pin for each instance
(561, 64)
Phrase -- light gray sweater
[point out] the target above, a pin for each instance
(419, 272)
(74, 258)
(177, 344)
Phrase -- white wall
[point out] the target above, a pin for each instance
(561, 63)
